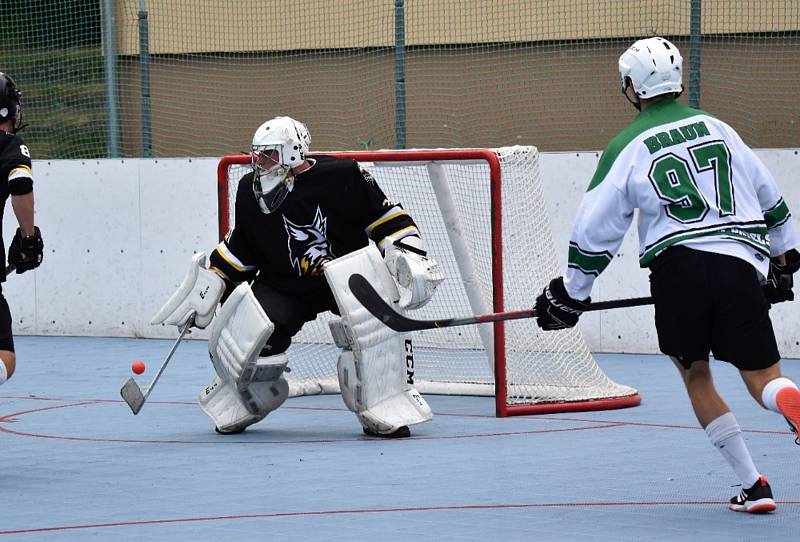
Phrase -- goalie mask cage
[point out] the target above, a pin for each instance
(483, 217)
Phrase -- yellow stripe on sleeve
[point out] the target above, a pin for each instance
(394, 212)
(233, 261)
(20, 172)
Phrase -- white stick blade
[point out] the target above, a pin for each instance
(132, 395)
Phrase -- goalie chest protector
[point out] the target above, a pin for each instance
(325, 216)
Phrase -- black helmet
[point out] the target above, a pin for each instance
(10, 97)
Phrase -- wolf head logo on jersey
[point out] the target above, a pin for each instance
(309, 247)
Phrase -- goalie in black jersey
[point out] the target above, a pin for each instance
(16, 180)
(303, 226)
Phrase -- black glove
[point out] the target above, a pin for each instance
(778, 287)
(555, 309)
(25, 253)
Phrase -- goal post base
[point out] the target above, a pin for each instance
(611, 403)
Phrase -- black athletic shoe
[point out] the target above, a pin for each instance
(755, 500)
(235, 431)
(403, 432)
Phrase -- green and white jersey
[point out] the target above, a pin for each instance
(694, 181)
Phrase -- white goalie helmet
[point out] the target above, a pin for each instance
(279, 145)
(654, 66)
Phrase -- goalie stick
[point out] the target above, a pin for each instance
(132, 393)
(375, 304)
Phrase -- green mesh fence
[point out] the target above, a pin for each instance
(196, 77)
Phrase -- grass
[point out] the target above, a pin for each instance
(64, 101)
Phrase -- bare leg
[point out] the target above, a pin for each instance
(725, 434)
(756, 380)
(708, 405)
(9, 359)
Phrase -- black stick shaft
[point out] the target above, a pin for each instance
(375, 304)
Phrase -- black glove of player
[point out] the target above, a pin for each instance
(555, 309)
(778, 287)
(25, 253)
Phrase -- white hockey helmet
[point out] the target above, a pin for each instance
(279, 145)
(654, 66)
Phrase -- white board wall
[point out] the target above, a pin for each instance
(119, 235)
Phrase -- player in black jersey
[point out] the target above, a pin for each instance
(295, 215)
(16, 180)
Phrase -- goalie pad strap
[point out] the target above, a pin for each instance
(340, 334)
(198, 296)
(238, 333)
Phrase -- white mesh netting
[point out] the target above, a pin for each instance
(456, 222)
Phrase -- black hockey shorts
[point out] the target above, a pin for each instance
(707, 302)
(289, 311)
(6, 338)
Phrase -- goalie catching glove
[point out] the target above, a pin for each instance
(26, 253)
(555, 309)
(197, 297)
(780, 281)
(416, 273)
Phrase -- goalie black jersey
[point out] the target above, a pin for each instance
(335, 208)
(15, 173)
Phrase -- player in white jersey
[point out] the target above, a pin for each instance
(718, 239)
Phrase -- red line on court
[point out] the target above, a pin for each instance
(597, 424)
(508, 506)
(227, 440)
(455, 415)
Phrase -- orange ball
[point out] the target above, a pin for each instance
(137, 366)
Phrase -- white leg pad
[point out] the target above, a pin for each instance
(407, 407)
(376, 377)
(232, 411)
(238, 334)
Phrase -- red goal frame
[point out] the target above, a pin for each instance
(502, 409)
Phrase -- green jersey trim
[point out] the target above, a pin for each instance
(753, 234)
(777, 215)
(661, 112)
(587, 262)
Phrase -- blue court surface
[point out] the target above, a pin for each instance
(77, 465)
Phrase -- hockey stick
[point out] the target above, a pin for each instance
(131, 391)
(374, 303)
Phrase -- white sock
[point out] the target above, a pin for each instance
(726, 435)
(770, 393)
(3, 372)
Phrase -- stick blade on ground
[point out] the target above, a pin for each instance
(132, 394)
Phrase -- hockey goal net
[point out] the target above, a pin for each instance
(483, 217)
